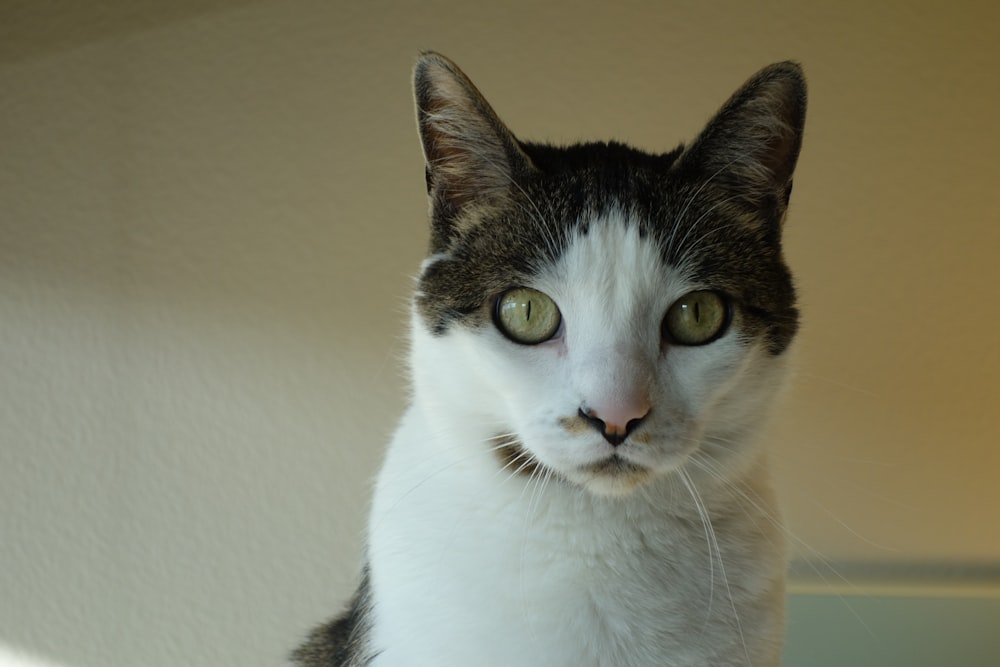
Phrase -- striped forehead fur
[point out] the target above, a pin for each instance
(699, 227)
(502, 210)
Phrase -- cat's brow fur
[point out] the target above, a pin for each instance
(503, 212)
(503, 246)
(537, 193)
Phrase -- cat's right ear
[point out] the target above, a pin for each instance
(471, 156)
(753, 142)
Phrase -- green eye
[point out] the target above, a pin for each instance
(527, 316)
(696, 318)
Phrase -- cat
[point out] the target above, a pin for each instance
(597, 334)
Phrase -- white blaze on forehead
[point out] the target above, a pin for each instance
(615, 276)
(613, 288)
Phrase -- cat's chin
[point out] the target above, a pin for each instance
(613, 477)
(610, 475)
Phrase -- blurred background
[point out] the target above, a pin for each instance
(210, 216)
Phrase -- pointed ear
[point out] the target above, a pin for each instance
(753, 142)
(470, 154)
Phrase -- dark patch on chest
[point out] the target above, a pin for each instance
(344, 641)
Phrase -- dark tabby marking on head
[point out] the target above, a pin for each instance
(501, 209)
(343, 642)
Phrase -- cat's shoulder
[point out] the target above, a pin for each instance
(343, 641)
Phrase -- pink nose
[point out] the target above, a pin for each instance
(616, 420)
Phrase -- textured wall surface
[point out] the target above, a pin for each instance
(210, 213)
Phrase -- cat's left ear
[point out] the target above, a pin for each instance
(471, 156)
(752, 144)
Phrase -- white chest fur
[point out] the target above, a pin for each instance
(471, 566)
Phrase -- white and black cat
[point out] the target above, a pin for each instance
(597, 335)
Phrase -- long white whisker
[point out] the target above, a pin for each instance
(472, 452)
(705, 466)
(686, 479)
(538, 487)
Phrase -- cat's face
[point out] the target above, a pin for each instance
(606, 315)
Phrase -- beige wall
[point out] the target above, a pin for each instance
(210, 213)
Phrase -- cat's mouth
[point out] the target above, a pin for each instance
(614, 465)
(613, 475)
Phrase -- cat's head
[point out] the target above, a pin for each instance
(607, 314)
